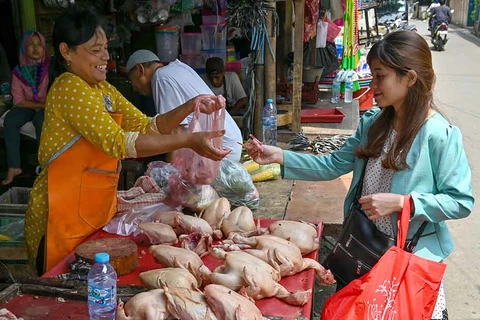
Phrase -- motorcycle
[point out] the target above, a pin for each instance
(440, 34)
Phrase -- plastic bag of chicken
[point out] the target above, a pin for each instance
(160, 172)
(194, 168)
(192, 196)
(235, 183)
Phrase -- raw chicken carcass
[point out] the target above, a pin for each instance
(258, 277)
(172, 277)
(151, 305)
(187, 304)
(229, 305)
(196, 242)
(159, 233)
(167, 217)
(216, 212)
(174, 257)
(303, 234)
(283, 255)
(189, 224)
(239, 220)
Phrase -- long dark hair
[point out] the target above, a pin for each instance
(402, 51)
(74, 27)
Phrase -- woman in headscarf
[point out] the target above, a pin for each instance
(29, 90)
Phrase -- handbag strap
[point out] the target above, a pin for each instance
(403, 223)
(358, 191)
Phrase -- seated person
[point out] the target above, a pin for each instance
(29, 90)
(171, 86)
(227, 84)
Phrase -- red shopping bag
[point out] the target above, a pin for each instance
(400, 286)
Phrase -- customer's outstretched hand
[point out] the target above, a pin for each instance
(263, 154)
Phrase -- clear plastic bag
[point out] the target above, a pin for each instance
(192, 167)
(127, 224)
(192, 196)
(160, 172)
(180, 192)
(235, 183)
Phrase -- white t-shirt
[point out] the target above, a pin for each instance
(234, 90)
(175, 84)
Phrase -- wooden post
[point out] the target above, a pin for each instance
(270, 67)
(284, 38)
(298, 64)
(259, 100)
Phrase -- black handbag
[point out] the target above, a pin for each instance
(361, 244)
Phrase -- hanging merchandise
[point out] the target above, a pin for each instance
(250, 16)
(311, 18)
(322, 30)
(351, 54)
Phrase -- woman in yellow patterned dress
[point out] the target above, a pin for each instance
(89, 126)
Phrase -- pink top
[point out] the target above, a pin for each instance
(22, 92)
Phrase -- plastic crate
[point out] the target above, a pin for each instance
(15, 200)
(11, 251)
(329, 115)
(214, 37)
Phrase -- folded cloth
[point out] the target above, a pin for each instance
(7, 315)
(144, 192)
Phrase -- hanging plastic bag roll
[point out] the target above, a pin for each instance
(322, 30)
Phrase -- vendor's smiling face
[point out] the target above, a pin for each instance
(88, 60)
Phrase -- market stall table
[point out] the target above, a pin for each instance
(42, 308)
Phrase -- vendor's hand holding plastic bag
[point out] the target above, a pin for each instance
(194, 168)
(235, 183)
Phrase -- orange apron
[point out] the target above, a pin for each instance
(82, 196)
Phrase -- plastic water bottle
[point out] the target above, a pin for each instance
(269, 123)
(336, 90)
(348, 90)
(102, 289)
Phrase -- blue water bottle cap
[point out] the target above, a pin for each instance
(269, 100)
(102, 257)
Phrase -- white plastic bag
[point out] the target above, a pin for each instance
(322, 30)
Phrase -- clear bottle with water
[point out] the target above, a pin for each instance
(269, 123)
(348, 90)
(102, 289)
(336, 90)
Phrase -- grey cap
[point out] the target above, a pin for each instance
(140, 56)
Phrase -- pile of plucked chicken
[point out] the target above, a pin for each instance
(254, 260)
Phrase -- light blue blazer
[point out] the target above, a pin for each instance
(439, 178)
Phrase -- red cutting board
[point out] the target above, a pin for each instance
(49, 308)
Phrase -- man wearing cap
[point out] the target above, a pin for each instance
(225, 83)
(171, 86)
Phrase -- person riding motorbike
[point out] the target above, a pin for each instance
(439, 14)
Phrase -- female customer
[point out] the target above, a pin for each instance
(29, 90)
(406, 147)
(89, 126)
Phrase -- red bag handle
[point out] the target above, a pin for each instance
(404, 221)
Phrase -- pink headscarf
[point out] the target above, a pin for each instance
(32, 73)
(24, 59)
